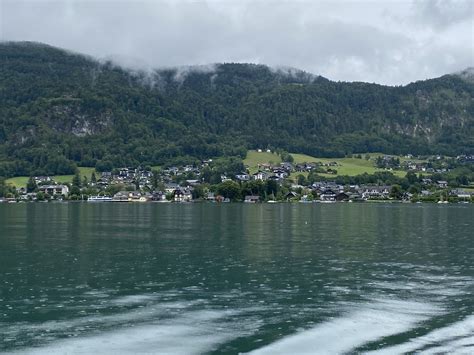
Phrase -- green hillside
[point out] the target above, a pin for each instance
(60, 110)
(254, 158)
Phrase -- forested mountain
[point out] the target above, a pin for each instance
(59, 110)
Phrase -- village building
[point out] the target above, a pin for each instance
(377, 192)
(442, 184)
(291, 195)
(242, 177)
(280, 173)
(328, 195)
(342, 196)
(54, 190)
(182, 195)
(260, 175)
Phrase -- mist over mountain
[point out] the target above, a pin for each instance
(60, 109)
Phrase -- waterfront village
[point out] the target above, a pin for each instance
(282, 182)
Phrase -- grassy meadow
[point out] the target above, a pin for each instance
(20, 181)
(254, 158)
(346, 166)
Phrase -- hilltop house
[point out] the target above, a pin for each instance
(280, 173)
(287, 166)
(242, 177)
(43, 180)
(260, 175)
(426, 181)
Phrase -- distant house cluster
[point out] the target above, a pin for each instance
(187, 183)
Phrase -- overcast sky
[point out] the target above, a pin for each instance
(389, 42)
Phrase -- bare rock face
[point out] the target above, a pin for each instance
(72, 119)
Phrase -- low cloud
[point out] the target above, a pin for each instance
(385, 42)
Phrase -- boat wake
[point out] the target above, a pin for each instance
(457, 338)
(369, 323)
(162, 328)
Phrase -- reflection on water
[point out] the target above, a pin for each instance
(265, 279)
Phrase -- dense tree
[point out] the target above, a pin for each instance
(412, 178)
(301, 179)
(287, 157)
(31, 185)
(5, 189)
(93, 178)
(76, 180)
(229, 189)
(396, 192)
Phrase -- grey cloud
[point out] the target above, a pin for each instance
(342, 40)
(443, 13)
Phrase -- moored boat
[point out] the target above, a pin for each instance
(99, 199)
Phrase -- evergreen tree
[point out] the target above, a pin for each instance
(93, 178)
(155, 179)
(76, 180)
(31, 185)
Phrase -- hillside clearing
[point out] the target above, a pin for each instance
(21, 181)
(345, 166)
(254, 158)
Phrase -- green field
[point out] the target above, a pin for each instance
(346, 166)
(254, 158)
(20, 181)
(402, 158)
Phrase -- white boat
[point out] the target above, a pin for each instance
(99, 199)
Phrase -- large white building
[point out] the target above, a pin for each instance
(54, 189)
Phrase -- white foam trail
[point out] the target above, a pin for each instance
(193, 333)
(456, 338)
(144, 314)
(133, 300)
(372, 322)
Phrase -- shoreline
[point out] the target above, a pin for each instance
(318, 202)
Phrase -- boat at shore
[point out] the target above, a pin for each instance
(99, 199)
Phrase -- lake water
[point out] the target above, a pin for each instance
(236, 278)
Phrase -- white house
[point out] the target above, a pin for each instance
(260, 175)
(54, 189)
(182, 195)
(243, 177)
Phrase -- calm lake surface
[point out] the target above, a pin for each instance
(235, 278)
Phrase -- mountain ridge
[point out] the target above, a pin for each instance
(60, 109)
